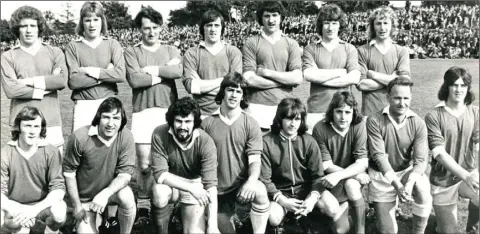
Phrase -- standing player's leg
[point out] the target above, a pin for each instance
(144, 180)
(467, 192)
(277, 213)
(163, 198)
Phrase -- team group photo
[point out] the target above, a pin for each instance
(240, 117)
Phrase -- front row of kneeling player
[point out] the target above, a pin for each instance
(290, 173)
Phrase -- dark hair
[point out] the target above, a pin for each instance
(330, 12)
(270, 6)
(28, 113)
(27, 12)
(451, 76)
(149, 13)
(339, 100)
(288, 108)
(235, 80)
(98, 10)
(184, 107)
(210, 16)
(108, 105)
(402, 81)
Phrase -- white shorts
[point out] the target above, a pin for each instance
(55, 136)
(312, 119)
(144, 122)
(444, 196)
(263, 114)
(186, 197)
(84, 111)
(379, 190)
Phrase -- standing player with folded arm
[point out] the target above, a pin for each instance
(205, 65)
(381, 60)
(453, 137)
(330, 64)
(272, 64)
(151, 72)
(95, 64)
(34, 72)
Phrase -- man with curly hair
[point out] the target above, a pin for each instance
(33, 72)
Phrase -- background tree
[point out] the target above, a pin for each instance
(66, 24)
(117, 15)
(50, 19)
(5, 33)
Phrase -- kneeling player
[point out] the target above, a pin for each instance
(184, 162)
(32, 182)
(342, 138)
(292, 169)
(453, 139)
(98, 165)
(238, 139)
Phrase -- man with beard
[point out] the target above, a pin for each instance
(271, 64)
(397, 141)
(184, 162)
(205, 65)
(151, 70)
(238, 139)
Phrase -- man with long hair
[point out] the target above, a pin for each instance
(453, 137)
(238, 139)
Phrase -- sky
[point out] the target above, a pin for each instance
(164, 7)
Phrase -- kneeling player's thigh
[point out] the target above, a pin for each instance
(466, 191)
(193, 218)
(124, 198)
(57, 212)
(353, 189)
(277, 213)
(328, 204)
(91, 226)
(163, 194)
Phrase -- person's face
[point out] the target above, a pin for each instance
(109, 124)
(30, 131)
(92, 25)
(183, 127)
(150, 32)
(330, 29)
(399, 99)
(233, 97)
(290, 125)
(28, 31)
(383, 27)
(342, 117)
(213, 31)
(457, 91)
(271, 22)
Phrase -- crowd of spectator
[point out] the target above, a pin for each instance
(430, 32)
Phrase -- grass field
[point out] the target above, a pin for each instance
(427, 76)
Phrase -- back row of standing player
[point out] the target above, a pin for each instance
(272, 66)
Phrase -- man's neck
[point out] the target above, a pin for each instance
(89, 39)
(272, 34)
(26, 148)
(455, 106)
(213, 44)
(28, 45)
(398, 118)
(383, 42)
(229, 113)
(330, 41)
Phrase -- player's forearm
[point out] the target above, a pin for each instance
(207, 86)
(369, 85)
(52, 198)
(352, 78)
(353, 170)
(333, 168)
(174, 181)
(452, 166)
(7, 205)
(212, 207)
(290, 78)
(381, 78)
(259, 82)
(254, 169)
(170, 71)
(72, 190)
(119, 182)
(320, 76)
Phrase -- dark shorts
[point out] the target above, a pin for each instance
(339, 192)
(228, 204)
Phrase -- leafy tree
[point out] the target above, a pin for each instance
(5, 33)
(117, 14)
(66, 24)
(50, 20)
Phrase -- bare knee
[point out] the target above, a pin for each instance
(422, 190)
(126, 198)
(276, 214)
(143, 154)
(353, 189)
(161, 195)
(328, 204)
(58, 212)
(261, 196)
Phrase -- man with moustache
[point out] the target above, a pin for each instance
(184, 162)
(238, 139)
(398, 153)
(271, 64)
(151, 72)
(205, 65)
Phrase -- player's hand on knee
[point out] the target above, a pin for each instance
(247, 192)
(202, 195)
(100, 201)
(403, 195)
(24, 216)
(363, 178)
(472, 180)
(308, 205)
(28, 223)
(79, 215)
(331, 180)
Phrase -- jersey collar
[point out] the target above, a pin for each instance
(28, 154)
(274, 38)
(409, 114)
(449, 110)
(226, 120)
(341, 133)
(183, 146)
(93, 44)
(33, 49)
(93, 131)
